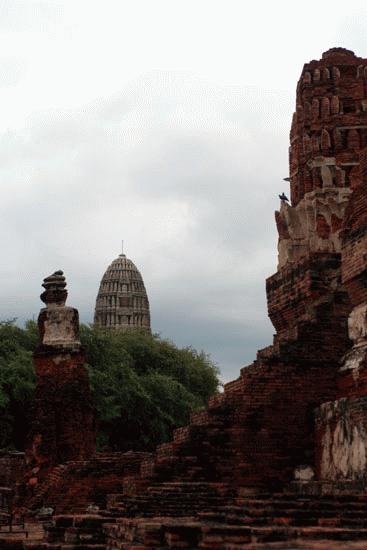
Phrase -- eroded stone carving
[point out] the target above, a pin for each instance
(357, 329)
(314, 224)
(357, 324)
(58, 324)
(344, 442)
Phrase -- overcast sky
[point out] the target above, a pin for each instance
(164, 123)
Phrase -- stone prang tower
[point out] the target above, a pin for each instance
(122, 302)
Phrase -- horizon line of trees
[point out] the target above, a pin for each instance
(142, 385)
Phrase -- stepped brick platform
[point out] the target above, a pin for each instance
(12, 468)
(75, 485)
(245, 522)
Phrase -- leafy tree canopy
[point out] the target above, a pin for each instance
(143, 386)
(17, 381)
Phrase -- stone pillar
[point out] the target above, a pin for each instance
(63, 426)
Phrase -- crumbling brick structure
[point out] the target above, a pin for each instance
(63, 417)
(327, 129)
(341, 424)
(328, 132)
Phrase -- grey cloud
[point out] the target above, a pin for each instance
(186, 173)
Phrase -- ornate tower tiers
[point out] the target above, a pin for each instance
(122, 302)
(329, 129)
(330, 123)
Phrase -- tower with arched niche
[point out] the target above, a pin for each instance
(329, 126)
(329, 129)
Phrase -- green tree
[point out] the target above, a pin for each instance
(17, 382)
(142, 385)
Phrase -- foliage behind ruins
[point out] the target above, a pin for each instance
(143, 386)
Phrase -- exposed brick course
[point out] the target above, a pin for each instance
(330, 121)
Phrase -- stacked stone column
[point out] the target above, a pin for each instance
(63, 426)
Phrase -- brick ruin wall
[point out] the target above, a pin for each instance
(329, 126)
(12, 469)
(267, 415)
(74, 485)
(62, 404)
(262, 427)
(354, 265)
(341, 427)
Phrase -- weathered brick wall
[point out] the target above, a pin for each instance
(272, 430)
(262, 427)
(341, 441)
(294, 291)
(63, 426)
(12, 469)
(330, 122)
(354, 247)
(363, 164)
(71, 487)
(258, 432)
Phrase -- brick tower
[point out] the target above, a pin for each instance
(329, 125)
(63, 418)
(328, 131)
(308, 303)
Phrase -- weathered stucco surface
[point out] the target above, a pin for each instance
(354, 359)
(60, 327)
(357, 324)
(311, 226)
(342, 439)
